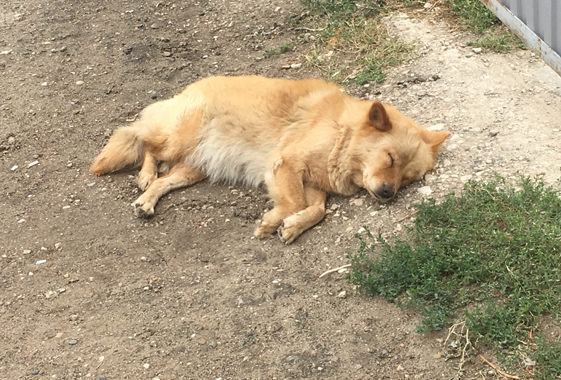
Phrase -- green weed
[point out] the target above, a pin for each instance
(270, 53)
(285, 48)
(492, 254)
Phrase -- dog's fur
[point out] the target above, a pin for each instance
(302, 138)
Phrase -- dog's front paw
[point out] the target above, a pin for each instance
(288, 231)
(264, 229)
(144, 180)
(143, 209)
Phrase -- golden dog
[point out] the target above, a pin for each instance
(302, 138)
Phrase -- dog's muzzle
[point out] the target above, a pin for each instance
(383, 193)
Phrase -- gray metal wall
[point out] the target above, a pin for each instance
(542, 16)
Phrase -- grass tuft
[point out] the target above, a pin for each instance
(492, 254)
(351, 42)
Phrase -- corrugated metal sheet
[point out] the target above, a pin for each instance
(542, 16)
(537, 22)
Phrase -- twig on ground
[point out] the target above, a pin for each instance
(310, 29)
(498, 370)
(408, 216)
(434, 5)
(335, 270)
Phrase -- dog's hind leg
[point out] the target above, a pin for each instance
(180, 175)
(295, 224)
(149, 171)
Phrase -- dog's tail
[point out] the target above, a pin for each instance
(124, 148)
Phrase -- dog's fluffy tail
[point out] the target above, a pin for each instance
(124, 148)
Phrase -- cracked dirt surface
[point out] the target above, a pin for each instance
(189, 294)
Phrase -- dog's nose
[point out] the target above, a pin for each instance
(385, 192)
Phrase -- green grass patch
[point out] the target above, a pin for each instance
(491, 256)
(500, 43)
(475, 16)
(350, 42)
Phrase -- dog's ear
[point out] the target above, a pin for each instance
(378, 117)
(434, 139)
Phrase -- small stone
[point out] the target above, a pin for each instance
(358, 366)
(357, 202)
(79, 82)
(295, 65)
(73, 342)
(167, 54)
(438, 355)
(41, 262)
(276, 327)
(493, 132)
(154, 26)
(146, 365)
(58, 246)
(399, 368)
(436, 127)
(342, 294)
(213, 344)
(202, 342)
(477, 50)
(26, 251)
(153, 95)
(35, 372)
(11, 140)
(428, 5)
(425, 190)
(14, 168)
(241, 343)
(50, 294)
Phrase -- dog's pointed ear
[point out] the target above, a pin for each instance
(434, 139)
(378, 117)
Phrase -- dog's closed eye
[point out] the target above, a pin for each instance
(391, 160)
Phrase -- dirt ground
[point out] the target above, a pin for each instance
(89, 291)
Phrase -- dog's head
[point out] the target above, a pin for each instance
(394, 150)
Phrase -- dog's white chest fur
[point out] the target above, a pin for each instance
(223, 156)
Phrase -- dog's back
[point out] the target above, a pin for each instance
(227, 127)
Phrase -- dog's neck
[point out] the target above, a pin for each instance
(339, 167)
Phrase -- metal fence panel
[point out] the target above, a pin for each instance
(534, 21)
(542, 16)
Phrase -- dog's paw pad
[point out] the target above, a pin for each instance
(140, 212)
(287, 235)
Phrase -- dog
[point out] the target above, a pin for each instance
(302, 138)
